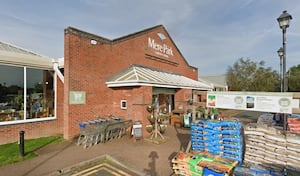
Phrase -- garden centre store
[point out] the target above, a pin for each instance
(97, 77)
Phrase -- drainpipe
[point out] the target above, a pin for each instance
(57, 71)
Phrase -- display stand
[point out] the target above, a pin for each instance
(157, 127)
(156, 131)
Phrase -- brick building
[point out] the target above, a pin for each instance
(103, 77)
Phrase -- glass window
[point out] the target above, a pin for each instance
(11, 93)
(39, 102)
(40, 93)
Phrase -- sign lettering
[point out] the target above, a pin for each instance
(161, 49)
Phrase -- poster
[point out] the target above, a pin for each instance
(77, 97)
(276, 102)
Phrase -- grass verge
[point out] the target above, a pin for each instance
(10, 153)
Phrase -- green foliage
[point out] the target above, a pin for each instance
(294, 79)
(200, 109)
(246, 75)
(10, 153)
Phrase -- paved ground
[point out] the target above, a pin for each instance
(142, 156)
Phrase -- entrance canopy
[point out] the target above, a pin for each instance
(10, 54)
(137, 75)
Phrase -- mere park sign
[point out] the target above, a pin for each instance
(277, 102)
(160, 49)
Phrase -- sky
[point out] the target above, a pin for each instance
(211, 34)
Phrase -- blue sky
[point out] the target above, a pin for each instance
(211, 34)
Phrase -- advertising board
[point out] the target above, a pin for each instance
(276, 102)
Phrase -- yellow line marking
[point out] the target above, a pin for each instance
(94, 170)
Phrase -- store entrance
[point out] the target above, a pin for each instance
(164, 102)
(163, 99)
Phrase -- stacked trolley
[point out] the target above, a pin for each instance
(102, 130)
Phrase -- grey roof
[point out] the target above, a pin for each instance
(10, 54)
(215, 80)
(137, 75)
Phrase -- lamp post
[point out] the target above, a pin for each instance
(280, 54)
(284, 22)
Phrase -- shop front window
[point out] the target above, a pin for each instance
(35, 84)
(11, 93)
(40, 94)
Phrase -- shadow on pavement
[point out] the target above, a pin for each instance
(152, 165)
(183, 135)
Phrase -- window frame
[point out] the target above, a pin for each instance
(123, 104)
(24, 120)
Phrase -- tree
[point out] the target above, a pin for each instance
(246, 75)
(294, 79)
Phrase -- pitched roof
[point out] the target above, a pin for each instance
(215, 80)
(10, 54)
(137, 75)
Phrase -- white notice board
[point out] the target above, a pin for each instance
(276, 102)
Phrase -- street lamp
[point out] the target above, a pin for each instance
(280, 54)
(284, 22)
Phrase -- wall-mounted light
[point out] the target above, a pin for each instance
(93, 42)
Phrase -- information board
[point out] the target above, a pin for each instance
(276, 102)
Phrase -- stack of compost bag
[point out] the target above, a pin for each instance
(222, 138)
(267, 145)
(293, 151)
(184, 164)
(258, 170)
(267, 119)
(294, 123)
(202, 163)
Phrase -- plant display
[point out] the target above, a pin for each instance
(156, 127)
(149, 128)
(151, 118)
(150, 107)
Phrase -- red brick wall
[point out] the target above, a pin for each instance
(133, 50)
(88, 66)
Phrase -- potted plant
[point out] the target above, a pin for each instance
(189, 101)
(151, 119)
(149, 128)
(200, 111)
(162, 128)
(150, 107)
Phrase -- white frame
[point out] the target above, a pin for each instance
(25, 120)
(123, 104)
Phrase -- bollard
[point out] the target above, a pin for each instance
(21, 145)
